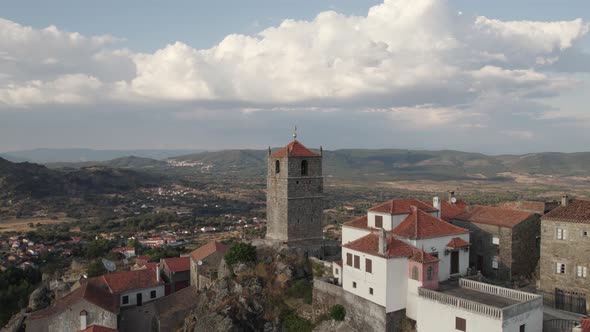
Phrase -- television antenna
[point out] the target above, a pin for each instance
(109, 265)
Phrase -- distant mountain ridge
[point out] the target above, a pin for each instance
(27, 180)
(43, 156)
(408, 164)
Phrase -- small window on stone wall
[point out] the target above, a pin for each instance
(277, 167)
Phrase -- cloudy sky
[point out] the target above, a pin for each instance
(488, 76)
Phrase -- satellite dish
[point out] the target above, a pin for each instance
(453, 200)
(109, 265)
(199, 263)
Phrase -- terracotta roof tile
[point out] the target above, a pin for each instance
(361, 222)
(494, 216)
(575, 211)
(421, 225)
(177, 264)
(449, 210)
(369, 244)
(295, 149)
(125, 281)
(92, 290)
(457, 242)
(422, 257)
(402, 206)
(585, 324)
(205, 251)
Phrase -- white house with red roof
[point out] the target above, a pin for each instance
(403, 257)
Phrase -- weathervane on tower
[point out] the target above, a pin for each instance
(294, 132)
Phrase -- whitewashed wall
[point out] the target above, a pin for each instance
(437, 317)
(145, 297)
(412, 298)
(439, 245)
(350, 234)
(364, 280)
(397, 284)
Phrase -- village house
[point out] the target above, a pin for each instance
(505, 241)
(177, 272)
(206, 263)
(402, 261)
(97, 302)
(128, 252)
(565, 256)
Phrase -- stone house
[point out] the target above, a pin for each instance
(177, 272)
(565, 256)
(505, 242)
(207, 263)
(97, 302)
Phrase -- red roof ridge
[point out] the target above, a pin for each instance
(421, 225)
(402, 206)
(457, 242)
(296, 149)
(493, 215)
(208, 249)
(370, 242)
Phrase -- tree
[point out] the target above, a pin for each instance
(240, 253)
(95, 269)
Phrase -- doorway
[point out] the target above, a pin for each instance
(454, 262)
(139, 299)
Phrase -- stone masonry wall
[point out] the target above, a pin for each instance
(525, 246)
(69, 319)
(363, 314)
(481, 239)
(573, 252)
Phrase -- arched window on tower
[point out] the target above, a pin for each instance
(304, 167)
(415, 272)
(277, 167)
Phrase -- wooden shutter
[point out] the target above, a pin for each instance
(378, 221)
(460, 324)
(369, 265)
(349, 259)
(357, 262)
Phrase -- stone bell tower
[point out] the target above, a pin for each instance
(294, 197)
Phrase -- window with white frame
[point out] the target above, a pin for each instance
(496, 240)
(560, 268)
(495, 263)
(582, 271)
(561, 234)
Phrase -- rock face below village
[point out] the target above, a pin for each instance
(255, 297)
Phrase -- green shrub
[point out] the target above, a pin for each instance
(240, 253)
(337, 312)
(295, 323)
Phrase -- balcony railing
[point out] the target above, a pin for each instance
(468, 305)
(496, 290)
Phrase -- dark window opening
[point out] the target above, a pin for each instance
(371, 290)
(522, 327)
(349, 259)
(354, 284)
(125, 299)
(357, 262)
(378, 221)
(153, 294)
(277, 167)
(304, 167)
(460, 324)
(369, 265)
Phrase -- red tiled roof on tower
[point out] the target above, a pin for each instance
(205, 251)
(457, 242)
(295, 149)
(98, 328)
(422, 257)
(369, 244)
(402, 206)
(421, 225)
(177, 264)
(494, 216)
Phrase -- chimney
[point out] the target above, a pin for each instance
(451, 196)
(436, 202)
(564, 200)
(382, 242)
(269, 150)
(158, 272)
(83, 321)
(413, 208)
